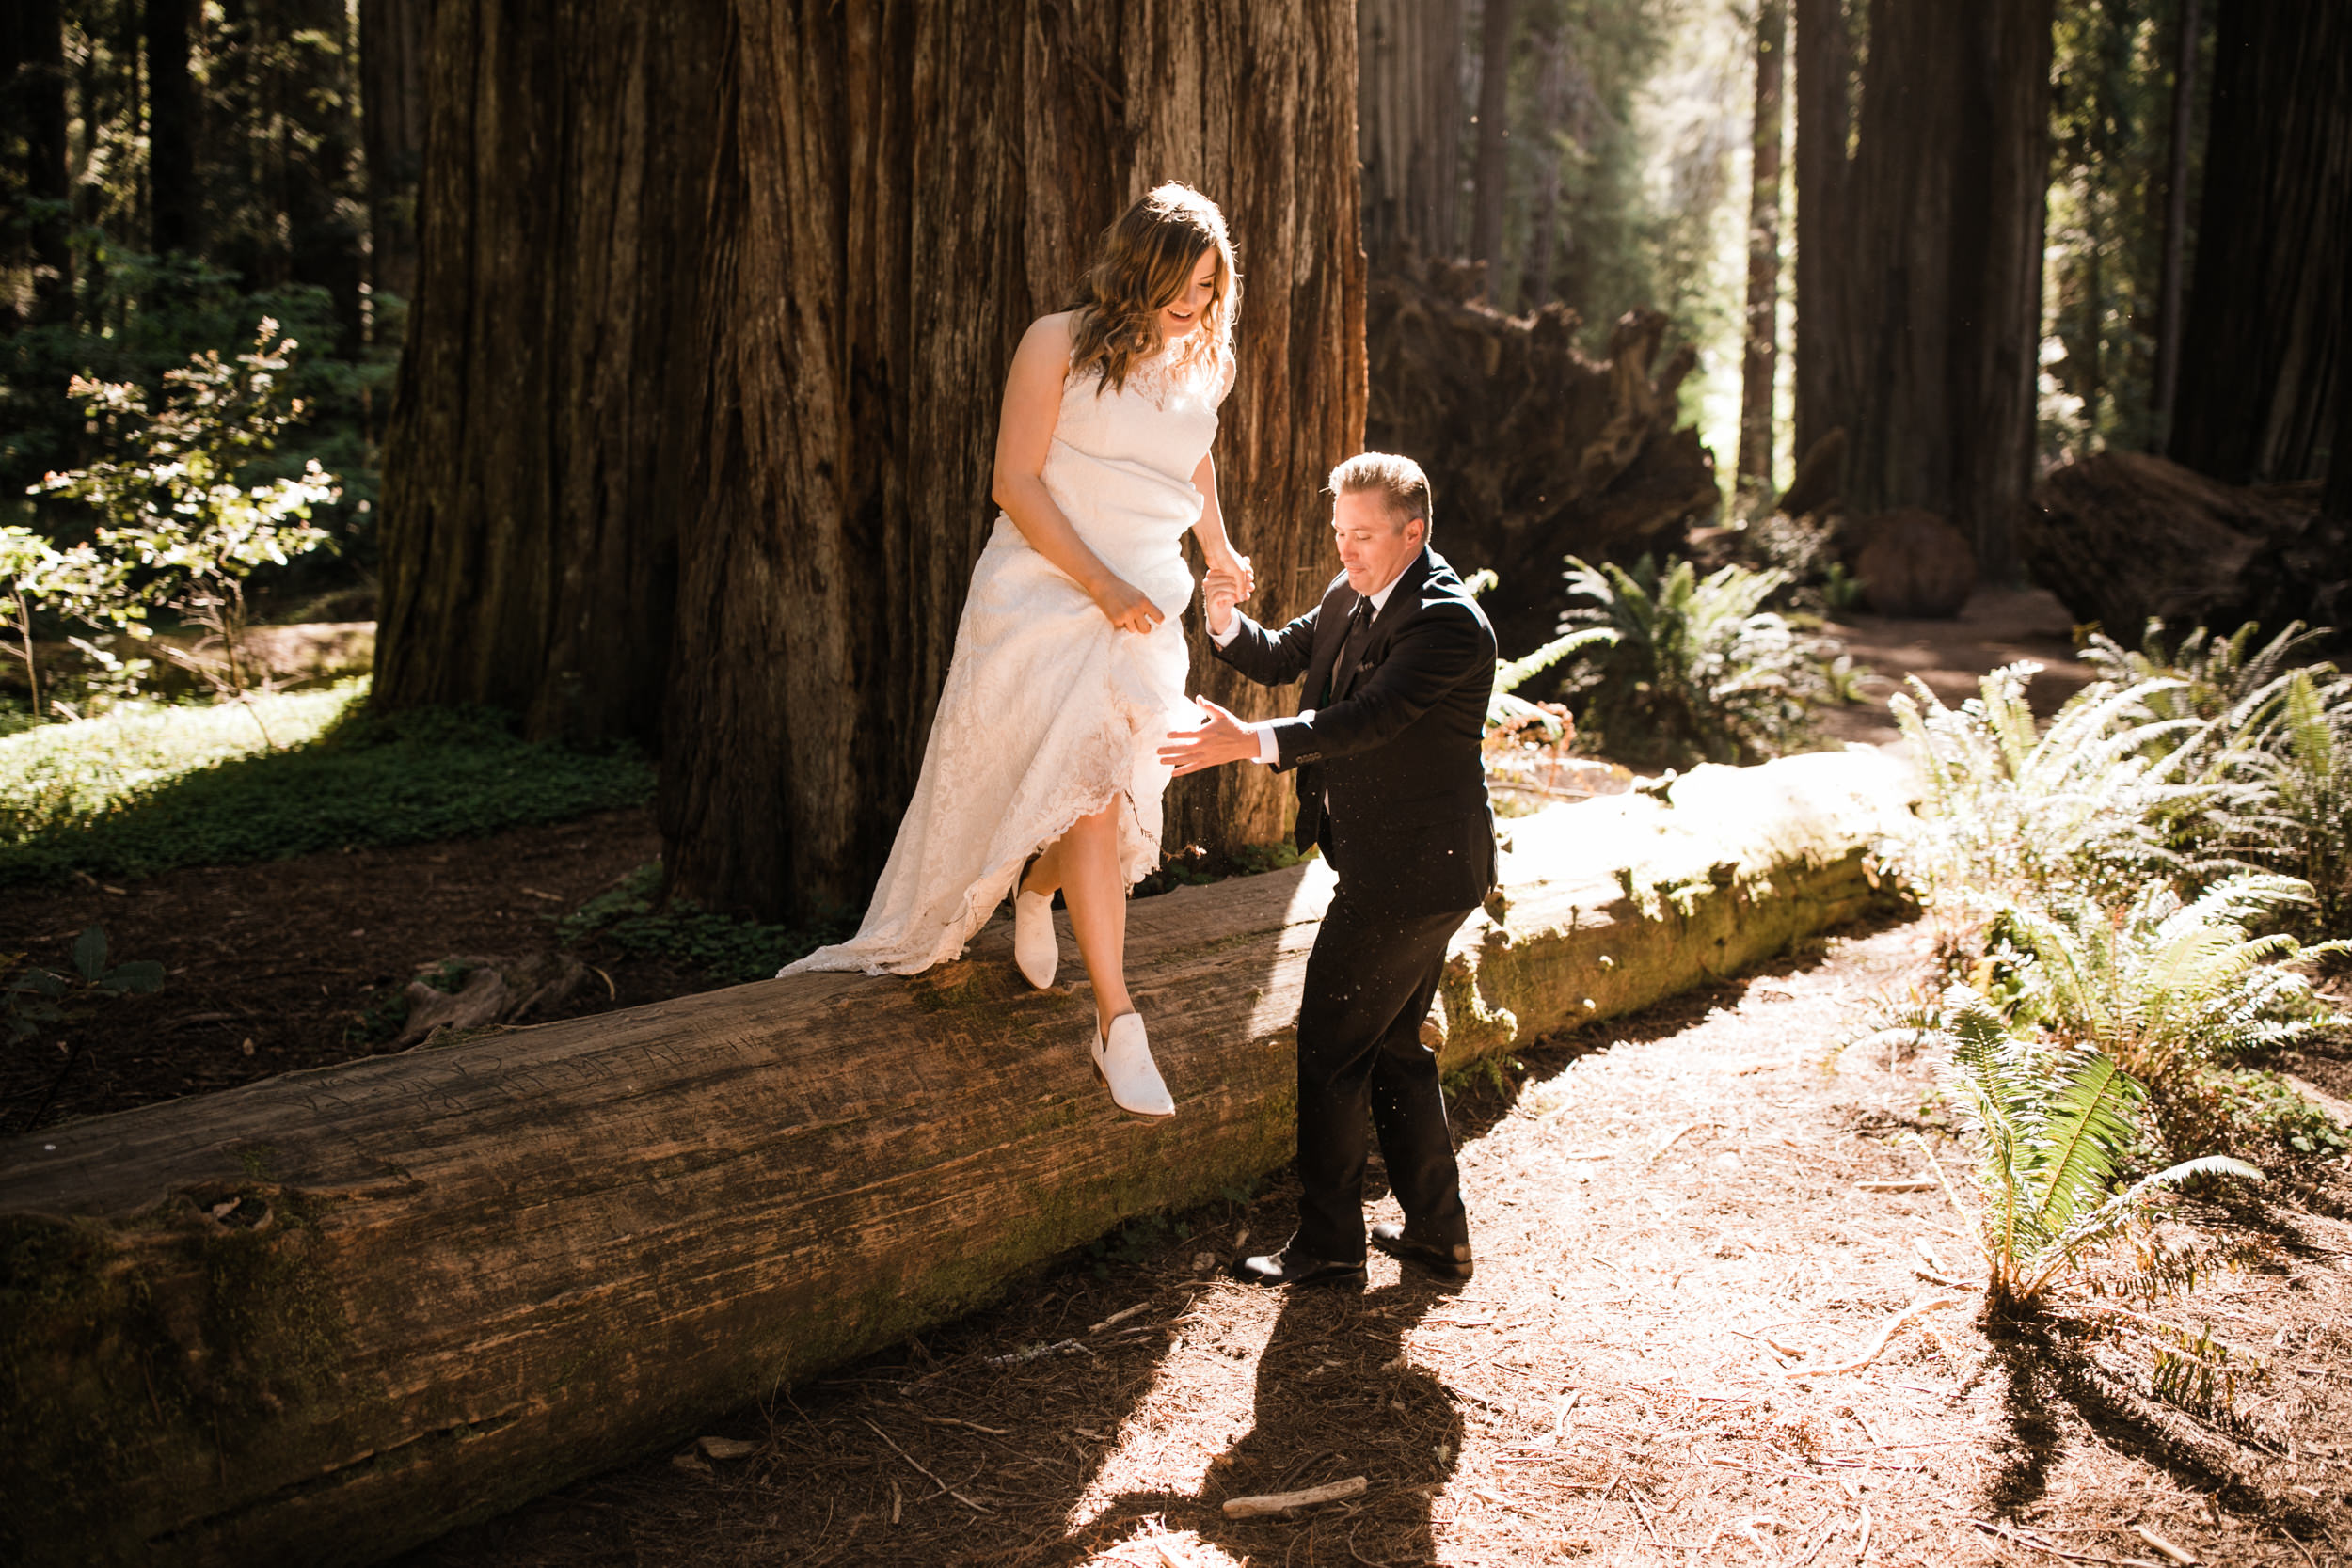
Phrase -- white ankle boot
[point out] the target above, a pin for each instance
(1033, 945)
(1125, 1063)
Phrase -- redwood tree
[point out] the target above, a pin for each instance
(1919, 254)
(1409, 126)
(393, 37)
(1762, 354)
(713, 312)
(2266, 322)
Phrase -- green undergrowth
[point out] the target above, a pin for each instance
(731, 951)
(115, 799)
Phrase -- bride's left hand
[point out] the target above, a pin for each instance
(1237, 566)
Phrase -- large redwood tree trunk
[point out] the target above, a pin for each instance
(537, 439)
(1919, 284)
(1762, 352)
(2265, 320)
(712, 319)
(951, 169)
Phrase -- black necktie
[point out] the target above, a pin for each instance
(1350, 648)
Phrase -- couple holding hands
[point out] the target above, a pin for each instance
(1064, 716)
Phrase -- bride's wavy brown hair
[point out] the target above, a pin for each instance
(1146, 260)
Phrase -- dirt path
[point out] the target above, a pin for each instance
(1673, 1219)
(1997, 626)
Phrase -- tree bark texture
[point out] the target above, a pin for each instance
(175, 208)
(394, 40)
(746, 346)
(1408, 115)
(1491, 175)
(1762, 352)
(2265, 322)
(1536, 287)
(2125, 537)
(541, 430)
(1534, 451)
(2171, 286)
(950, 169)
(1824, 72)
(1926, 273)
(320, 1319)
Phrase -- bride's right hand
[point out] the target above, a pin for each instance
(1127, 606)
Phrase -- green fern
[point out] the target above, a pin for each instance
(1692, 668)
(2296, 813)
(2054, 1124)
(2164, 987)
(2093, 801)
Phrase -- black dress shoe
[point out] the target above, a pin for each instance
(1452, 1263)
(1296, 1268)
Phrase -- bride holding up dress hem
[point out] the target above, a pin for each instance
(1070, 664)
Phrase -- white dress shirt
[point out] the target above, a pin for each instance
(1270, 750)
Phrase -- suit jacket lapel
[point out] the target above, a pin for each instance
(1330, 628)
(1403, 599)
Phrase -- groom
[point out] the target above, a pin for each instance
(1398, 664)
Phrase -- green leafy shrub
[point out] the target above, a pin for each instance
(184, 518)
(408, 778)
(1696, 670)
(729, 950)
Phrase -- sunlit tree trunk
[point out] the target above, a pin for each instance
(1926, 353)
(1491, 176)
(175, 206)
(2266, 323)
(842, 488)
(714, 313)
(1763, 350)
(1409, 124)
(1551, 108)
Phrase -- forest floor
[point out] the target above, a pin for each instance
(1675, 1216)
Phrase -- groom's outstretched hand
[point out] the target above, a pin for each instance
(1224, 738)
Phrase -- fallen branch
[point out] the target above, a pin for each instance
(1282, 1502)
(1880, 1341)
(918, 1465)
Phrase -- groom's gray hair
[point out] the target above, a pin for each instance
(1398, 481)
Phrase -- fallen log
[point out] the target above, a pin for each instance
(325, 1317)
(2122, 537)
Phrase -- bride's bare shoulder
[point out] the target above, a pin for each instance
(1055, 329)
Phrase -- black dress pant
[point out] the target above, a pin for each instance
(1368, 984)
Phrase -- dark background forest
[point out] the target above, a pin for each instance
(655, 356)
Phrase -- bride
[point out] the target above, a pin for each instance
(1069, 659)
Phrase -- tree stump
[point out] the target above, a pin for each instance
(1916, 565)
(322, 1318)
(1535, 453)
(2123, 538)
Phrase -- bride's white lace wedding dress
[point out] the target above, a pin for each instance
(1050, 713)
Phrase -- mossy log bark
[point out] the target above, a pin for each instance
(325, 1317)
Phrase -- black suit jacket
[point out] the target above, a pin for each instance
(1395, 746)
